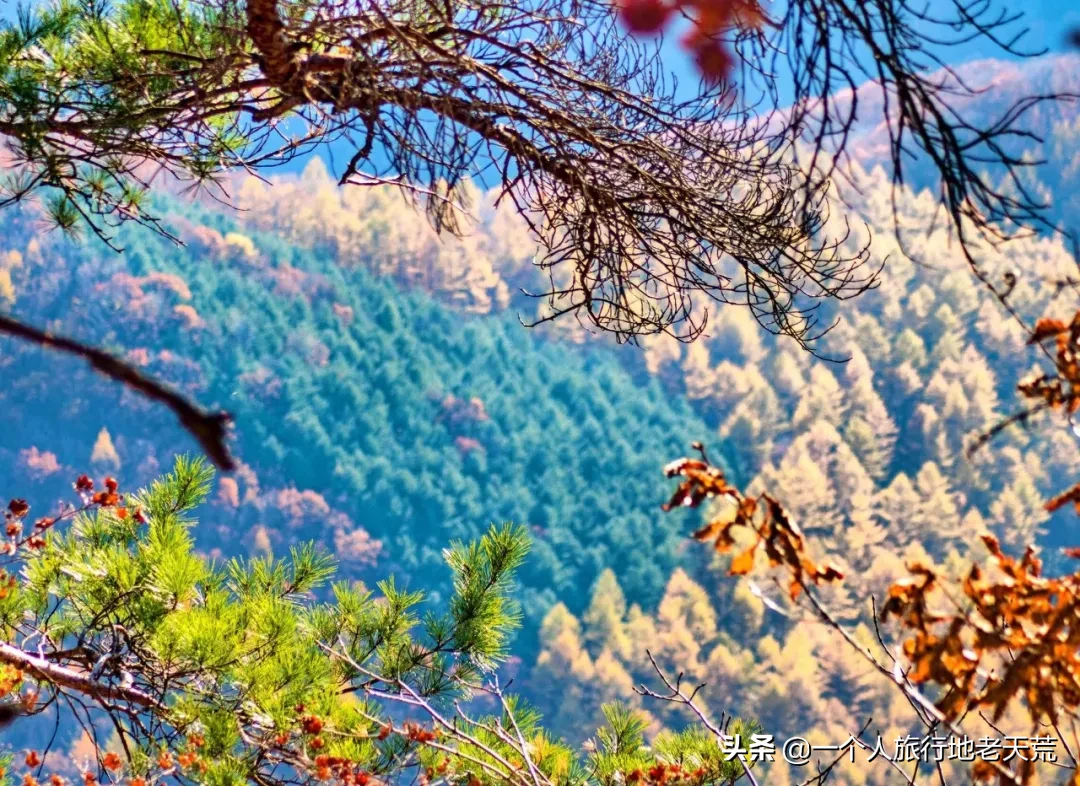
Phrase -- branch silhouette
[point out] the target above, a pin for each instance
(208, 428)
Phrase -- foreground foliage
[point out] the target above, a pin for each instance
(869, 456)
(175, 667)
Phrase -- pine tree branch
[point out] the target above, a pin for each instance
(42, 669)
(208, 428)
(267, 32)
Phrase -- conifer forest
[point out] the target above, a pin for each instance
(539, 392)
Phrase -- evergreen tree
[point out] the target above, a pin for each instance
(104, 453)
(604, 619)
(259, 671)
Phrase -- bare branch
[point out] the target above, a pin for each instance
(207, 428)
(677, 696)
(42, 669)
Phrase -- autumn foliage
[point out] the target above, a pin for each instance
(1002, 634)
(1010, 632)
(714, 23)
(763, 516)
(1058, 391)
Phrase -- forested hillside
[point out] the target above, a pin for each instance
(387, 400)
(380, 422)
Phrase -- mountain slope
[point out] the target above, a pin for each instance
(373, 420)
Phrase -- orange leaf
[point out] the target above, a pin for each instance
(724, 541)
(1046, 328)
(991, 544)
(743, 563)
(1072, 495)
(709, 531)
(830, 573)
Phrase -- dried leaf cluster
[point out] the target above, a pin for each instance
(1058, 391)
(1011, 634)
(1004, 634)
(763, 515)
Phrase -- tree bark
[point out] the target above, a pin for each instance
(268, 34)
(62, 677)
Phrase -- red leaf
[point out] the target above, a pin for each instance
(645, 16)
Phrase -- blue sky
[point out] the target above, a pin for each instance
(1048, 21)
